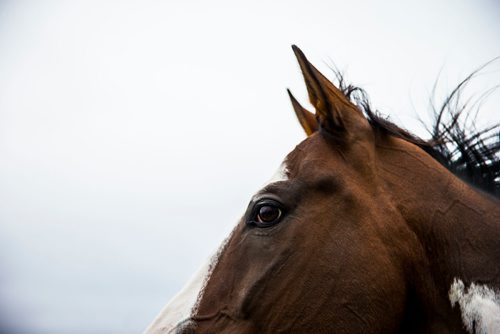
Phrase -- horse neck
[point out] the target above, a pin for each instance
(457, 226)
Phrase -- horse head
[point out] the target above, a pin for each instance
(352, 235)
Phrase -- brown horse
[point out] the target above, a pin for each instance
(365, 229)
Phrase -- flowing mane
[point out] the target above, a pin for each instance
(471, 154)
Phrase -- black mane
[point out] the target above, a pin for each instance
(472, 155)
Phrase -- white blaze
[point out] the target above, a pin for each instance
(280, 175)
(182, 306)
(479, 305)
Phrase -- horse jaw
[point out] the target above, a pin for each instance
(479, 305)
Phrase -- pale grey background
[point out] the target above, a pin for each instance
(132, 133)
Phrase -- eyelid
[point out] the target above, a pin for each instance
(265, 201)
(262, 197)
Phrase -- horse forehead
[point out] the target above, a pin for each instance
(314, 153)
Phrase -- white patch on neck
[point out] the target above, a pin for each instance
(480, 307)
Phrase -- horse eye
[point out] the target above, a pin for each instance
(267, 214)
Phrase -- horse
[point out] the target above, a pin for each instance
(365, 228)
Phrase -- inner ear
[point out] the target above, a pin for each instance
(306, 118)
(334, 111)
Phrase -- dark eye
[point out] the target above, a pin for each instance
(267, 213)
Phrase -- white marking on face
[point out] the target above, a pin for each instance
(280, 175)
(479, 305)
(180, 309)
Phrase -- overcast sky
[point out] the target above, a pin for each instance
(133, 133)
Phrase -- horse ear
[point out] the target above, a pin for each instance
(306, 118)
(334, 111)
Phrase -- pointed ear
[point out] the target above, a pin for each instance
(334, 111)
(306, 118)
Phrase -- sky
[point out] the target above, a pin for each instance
(133, 133)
